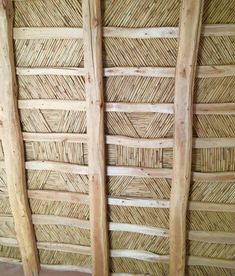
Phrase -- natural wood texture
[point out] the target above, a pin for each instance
(208, 71)
(126, 201)
(126, 253)
(203, 236)
(139, 33)
(124, 171)
(202, 109)
(92, 29)
(52, 104)
(226, 108)
(13, 145)
(128, 141)
(190, 28)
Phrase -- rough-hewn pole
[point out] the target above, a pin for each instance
(12, 142)
(92, 32)
(190, 29)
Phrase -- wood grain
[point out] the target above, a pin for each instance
(92, 29)
(190, 28)
(12, 142)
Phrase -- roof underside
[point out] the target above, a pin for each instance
(123, 52)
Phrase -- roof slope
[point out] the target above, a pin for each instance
(139, 138)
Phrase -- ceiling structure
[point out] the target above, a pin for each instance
(117, 127)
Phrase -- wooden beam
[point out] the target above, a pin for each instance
(12, 142)
(209, 71)
(198, 109)
(190, 28)
(202, 236)
(141, 255)
(198, 143)
(118, 32)
(127, 201)
(125, 171)
(92, 29)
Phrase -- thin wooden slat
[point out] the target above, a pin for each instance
(138, 33)
(13, 145)
(198, 143)
(125, 171)
(127, 201)
(92, 29)
(208, 71)
(202, 236)
(52, 104)
(190, 28)
(141, 255)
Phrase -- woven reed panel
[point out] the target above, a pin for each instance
(126, 53)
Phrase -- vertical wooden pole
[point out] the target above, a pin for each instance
(13, 144)
(190, 28)
(92, 29)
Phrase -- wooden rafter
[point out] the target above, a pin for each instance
(190, 29)
(12, 142)
(96, 140)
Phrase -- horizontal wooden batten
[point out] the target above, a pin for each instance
(202, 236)
(199, 109)
(209, 71)
(127, 141)
(50, 104)
(118, 32)
(125, 171)
(127, 201)
(141, 255)
(193, 260)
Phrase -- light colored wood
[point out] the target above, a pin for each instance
(209, 71)
(47, 33)
(218, 30)
(135, 107)
(128, 201)
(192, 261)
(55, 137)
(141, 255)
(221, 108)
(128, 141)
(167, 72)
(57, 166)
(124, 171)
(190, 28)
(213, 143)
(215, 71)
(51, 104)
(142, 33)
(202, 236)
(63, 71)
(215, 177)
(59, 196)
(139, 33)
(92, 30)
(211, 207)
(13, 145)
(138, 172)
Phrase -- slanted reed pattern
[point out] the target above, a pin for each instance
(139, 54)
